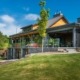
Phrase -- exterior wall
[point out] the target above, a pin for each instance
(35, 27)
(59, 23)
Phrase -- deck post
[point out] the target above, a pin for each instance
(74, 37)
(31, 39)
(13, 53)
(21, 52)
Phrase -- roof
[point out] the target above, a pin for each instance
(55, 19)
(27, 26)
(51, 21)
(23, 33)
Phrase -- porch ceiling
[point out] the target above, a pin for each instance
(58, 35)
(61, 32)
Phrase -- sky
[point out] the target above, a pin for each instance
(15, 14)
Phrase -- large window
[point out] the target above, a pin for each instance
(54, 42)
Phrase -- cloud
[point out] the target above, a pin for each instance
(7, 19)
(31, 17)
(2, 25)
(12, 29)
(8, 25)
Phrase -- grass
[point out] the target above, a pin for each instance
(43, 67)
(1, 58)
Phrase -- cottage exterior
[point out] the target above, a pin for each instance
(60, 33)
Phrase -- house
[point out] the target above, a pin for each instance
(60, 33)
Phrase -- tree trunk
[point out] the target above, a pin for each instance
(42, 44)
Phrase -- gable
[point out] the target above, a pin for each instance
(34, 27)
(60, 22)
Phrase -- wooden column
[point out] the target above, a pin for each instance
(74, 37)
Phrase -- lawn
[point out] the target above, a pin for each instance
(43, 67)
(0, 58)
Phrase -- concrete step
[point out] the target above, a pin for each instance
(71, 50)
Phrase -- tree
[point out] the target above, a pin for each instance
(1, 40)
(4, 41)
(42, 22)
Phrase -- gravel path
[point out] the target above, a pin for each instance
(2, 62)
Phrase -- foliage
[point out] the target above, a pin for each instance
(51, 42)
(4, 41)
(42, 22)
(37, 39)
(43, 67)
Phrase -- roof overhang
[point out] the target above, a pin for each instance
(24, 34)
(63, 27)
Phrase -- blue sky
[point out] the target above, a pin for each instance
(18, 13)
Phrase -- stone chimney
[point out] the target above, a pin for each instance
(57, 14)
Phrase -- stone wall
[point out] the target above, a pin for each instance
(45, 49)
